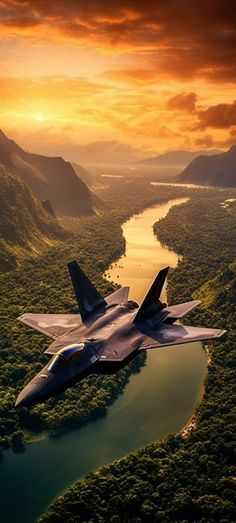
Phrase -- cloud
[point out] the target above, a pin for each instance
(178, 39)
(221, 116)
(131, 76)
(183, 102)
(231, 139)
(204, 141)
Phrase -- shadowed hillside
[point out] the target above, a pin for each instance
(219, 170)
(49, 178)
(25, 225)
(83, 174)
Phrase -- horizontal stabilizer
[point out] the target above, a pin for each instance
(88, 298)
(53, 325)
(176, 312)
(151, 302)
(176, 334)
(119, 296)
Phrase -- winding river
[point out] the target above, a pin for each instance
(158, 400)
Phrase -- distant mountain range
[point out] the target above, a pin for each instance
(49, 178)
(218, 170)
(174, 158)
(27, 226)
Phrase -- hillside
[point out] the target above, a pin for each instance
(83, 174)
(49, 178)
(173, 158)
(219, 290)
(218, 170)
(26, 227)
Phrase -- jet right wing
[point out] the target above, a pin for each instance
(176, 334)
(53, 325)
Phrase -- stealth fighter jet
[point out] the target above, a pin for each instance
(106, 335)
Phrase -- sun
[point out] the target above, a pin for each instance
(38, 117)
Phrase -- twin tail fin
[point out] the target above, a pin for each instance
(88, 298)
(151, 303)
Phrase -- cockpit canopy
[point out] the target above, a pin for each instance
(64, 356)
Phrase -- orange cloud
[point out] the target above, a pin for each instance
(127, 71)
(183, 102)
(220, 116)
(179, 39)
(131, 76)
(205, 141)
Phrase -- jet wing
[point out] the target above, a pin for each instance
(177, 334)
(53, 325)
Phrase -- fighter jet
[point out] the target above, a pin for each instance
(106, 335)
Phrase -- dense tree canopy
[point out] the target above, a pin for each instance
(185, 478)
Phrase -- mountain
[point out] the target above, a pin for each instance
(83, 173)
(219, 170)
(49, 178)
(173, 158)
(26, 227)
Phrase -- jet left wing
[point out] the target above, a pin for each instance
(53, 325)
(177, 334)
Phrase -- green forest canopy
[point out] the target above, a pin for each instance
(181, 479)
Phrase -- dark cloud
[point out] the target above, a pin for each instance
(219, 116)
(183, 102)
(181, 39)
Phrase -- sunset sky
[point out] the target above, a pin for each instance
(120, 79)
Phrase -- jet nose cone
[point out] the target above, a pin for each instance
(28, 396)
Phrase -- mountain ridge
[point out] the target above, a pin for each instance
(173, 158)
(49, 178)
(216, 170)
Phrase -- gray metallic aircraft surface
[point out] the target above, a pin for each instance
(106, 334)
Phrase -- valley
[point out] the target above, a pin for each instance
(97, 241)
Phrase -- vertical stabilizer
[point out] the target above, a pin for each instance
(151, 302)
(88, 298)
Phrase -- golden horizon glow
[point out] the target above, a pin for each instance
(117, 82)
